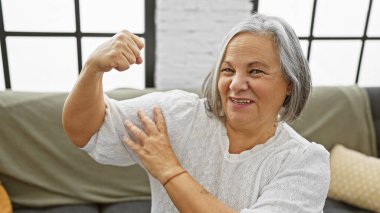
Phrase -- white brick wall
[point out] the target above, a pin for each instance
(188, 36)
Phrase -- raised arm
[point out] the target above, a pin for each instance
(84, 108)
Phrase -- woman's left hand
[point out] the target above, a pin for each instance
(153, 147)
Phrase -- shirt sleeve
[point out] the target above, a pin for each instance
(301, 185)
(106, 146)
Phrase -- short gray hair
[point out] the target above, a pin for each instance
(293, 63)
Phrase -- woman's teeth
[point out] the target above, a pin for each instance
(241, 101)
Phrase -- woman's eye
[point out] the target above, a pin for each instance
(227, 70)
(256, 72)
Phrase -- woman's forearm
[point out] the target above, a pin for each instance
(190, 197)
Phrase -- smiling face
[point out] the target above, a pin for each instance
(251, 84)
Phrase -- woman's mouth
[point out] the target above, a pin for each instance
(241, 101)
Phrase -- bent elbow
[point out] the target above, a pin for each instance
(75, 136)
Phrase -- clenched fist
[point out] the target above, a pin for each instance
(120, 52)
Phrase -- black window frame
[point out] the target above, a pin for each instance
(149, 35)
(312, 38)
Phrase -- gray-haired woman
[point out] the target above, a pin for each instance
(231, 151)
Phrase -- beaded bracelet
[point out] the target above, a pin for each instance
(167, 181)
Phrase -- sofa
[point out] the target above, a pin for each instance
(42, 171)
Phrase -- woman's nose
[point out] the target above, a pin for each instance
(239, 82)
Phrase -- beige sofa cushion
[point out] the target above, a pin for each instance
(355, 178)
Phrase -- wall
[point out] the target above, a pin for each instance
(188, 37)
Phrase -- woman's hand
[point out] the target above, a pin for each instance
(153, 147)
(154, 150)
(120, 52)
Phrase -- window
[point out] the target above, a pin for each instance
(45, 43)
(341, 38)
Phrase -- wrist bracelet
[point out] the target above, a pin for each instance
(167, 181)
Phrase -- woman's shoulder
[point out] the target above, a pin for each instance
(294, 136)
(177, 100)
(299, 147)
(172, 99)
(188, 95)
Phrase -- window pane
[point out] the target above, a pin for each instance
(370, 69)
(296, 12)
(42, 63)
(304, 46)
(374, 21)
(334, 62)
(39, 15)
(2, 82)
(133, 78)
(340, 17)
(112, 15)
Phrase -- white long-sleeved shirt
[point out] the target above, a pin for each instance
(285, 174)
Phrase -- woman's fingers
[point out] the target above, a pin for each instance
(139, 60)
(152, 129)
(138, 41)
(133, 145)
(154, 148)
(132, 47)
(149, 125)
(121, 63)
(159, 120)
(120, 52)
(128, 50)
(138, 44)
(137, 132)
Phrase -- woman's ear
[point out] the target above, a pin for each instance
(289, 89)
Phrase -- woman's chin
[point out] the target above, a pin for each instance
(239, 121)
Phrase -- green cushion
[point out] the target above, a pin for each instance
(339, 115)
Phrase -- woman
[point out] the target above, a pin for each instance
(231, 151)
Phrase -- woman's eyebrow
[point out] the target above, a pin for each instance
(253, 63)
(259, 63)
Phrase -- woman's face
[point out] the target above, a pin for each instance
(251, 84)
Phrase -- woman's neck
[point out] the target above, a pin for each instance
(242, 139)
